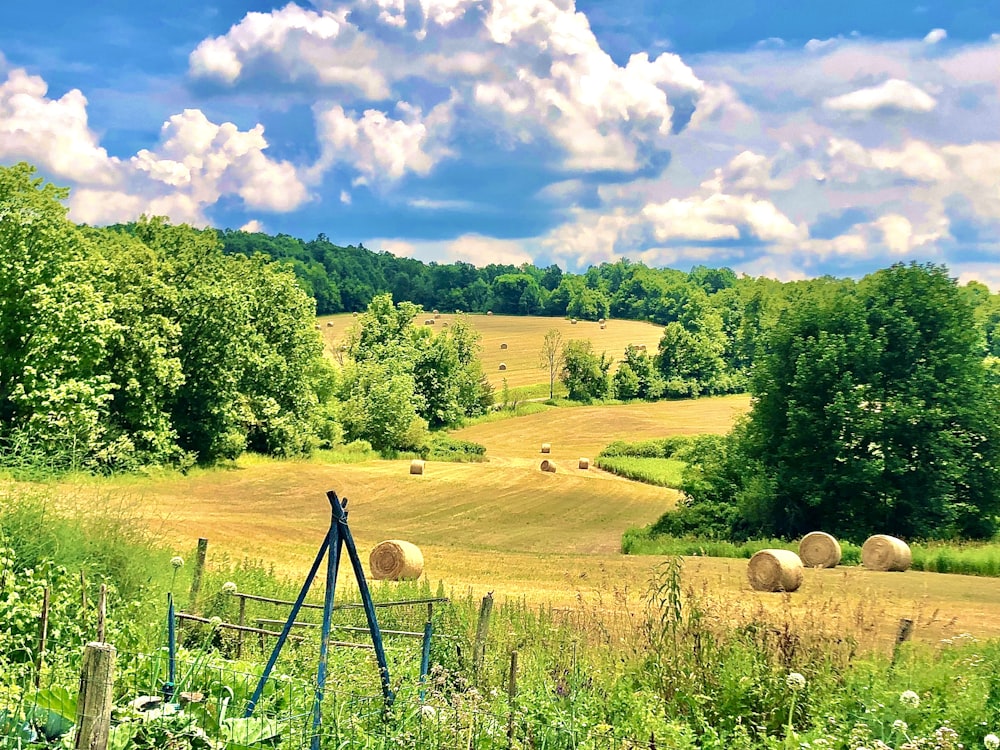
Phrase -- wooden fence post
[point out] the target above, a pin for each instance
(482, 630)
(199, 567)
(93, 708)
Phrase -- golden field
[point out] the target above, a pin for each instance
(507, 527)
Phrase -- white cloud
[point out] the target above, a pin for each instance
(52, 133)
(469, 248)
(935, 35)
(254, 225)
(530, 71)
(893, 94)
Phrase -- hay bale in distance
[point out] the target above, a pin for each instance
(818, 549)
(775, 570)
(502, 367)
(602, 326)
(547, 465)
(318, 327)
(416, 466)
(584, 463)
(396, 560)
(503, 346)
(437, 314)
(489, 312)
(546, 447)
(329, 324)
(573, 321)
(886, 553)
(601, 321)
(429, 322)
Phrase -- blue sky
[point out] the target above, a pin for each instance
(778, 138)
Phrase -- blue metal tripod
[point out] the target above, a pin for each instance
(338, 537)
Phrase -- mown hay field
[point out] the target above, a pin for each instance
(505, 526)
(523, 336)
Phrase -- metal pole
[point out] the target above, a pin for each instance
(258, 691)
(366, 597)
(332, 560)
(168, 688)
(425, 653)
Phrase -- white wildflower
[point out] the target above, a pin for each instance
(428, 712)
(909, 699)
(177, 561)
(795, 681)
(215, 622)
(991, 741)
(229, 587)
(900, 726)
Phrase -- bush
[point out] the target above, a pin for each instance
(445, 448)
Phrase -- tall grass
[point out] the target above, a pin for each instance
(663, 472)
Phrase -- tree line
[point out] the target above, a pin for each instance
(146, 344)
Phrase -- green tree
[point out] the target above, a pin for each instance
(552, 357)
(873, 411)
(584, 373)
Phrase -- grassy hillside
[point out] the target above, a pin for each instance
(507, 527)
(523, 336)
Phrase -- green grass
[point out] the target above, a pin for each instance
(663, 472)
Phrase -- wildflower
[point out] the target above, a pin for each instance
(215, 622)
(909, 699)
(795, 681)
(177, 561)
(428, 712)
(229, 587)
(991, 741)
(900, 726)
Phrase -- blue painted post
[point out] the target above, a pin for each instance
(425, 654)
(332, 562)
(259, 690)
(171, 684)
(366, 597)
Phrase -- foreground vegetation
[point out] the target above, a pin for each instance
(676, 668)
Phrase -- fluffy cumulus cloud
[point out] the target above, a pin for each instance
(195, 164)
(512, 72)
(890, 95)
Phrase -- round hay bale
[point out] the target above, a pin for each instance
(886, 553)
(329, 324)
(429, 322)
(318, 327)
(573, 321)
(503, 346)
(601, 321)
(437, 314)
(503, 366)
(602, 326)
(584, 463)
(546, 447)
(775, 570)
(547, 465)
(444, 325)
(416, 466)
(489, 312)
(354, 314)
(396, 560)
(818, 549)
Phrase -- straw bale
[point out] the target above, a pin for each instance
(602, 326)
(416, 466)
(503, 366)
(329, 324)
(573, 321)
(886, 553)
(775, 570)
(819, 550)
(396, 560)
(600, 320)
(547, 465)
(546, 447)
(503, 346)
(584, 463)
(429, 322)
(489, 312)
